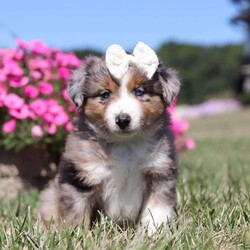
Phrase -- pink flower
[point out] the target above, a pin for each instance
(36, 131)
(60, 118)
(22, 44)
(48, 75)
(36, 46)
(9, 126)
(64, 73)
(3, 88)
(65, 95)
(13, 101)
(10, 53)
(172, 109)
(36, 75)
(49, 118)
(179, 126)
(190, 144)
(32, 115)
(55, 109)
(28, 75)
(52, 102)
(67, 59)
(39, 107)
(71, 108)
(45, 88)
(21, 113)
(69, 126)
(51, 129)
(3, 76)
(12, 67)
(39, 63)
(18, 81)
(31, 91)
(39, 47)
(18, 54)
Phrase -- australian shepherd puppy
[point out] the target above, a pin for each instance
(120, 158)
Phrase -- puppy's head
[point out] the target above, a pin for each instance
(124, 107)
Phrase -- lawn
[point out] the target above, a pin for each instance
(213, 209)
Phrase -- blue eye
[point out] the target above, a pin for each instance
(105, 95)
(139, 92)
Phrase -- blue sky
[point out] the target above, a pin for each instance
(97, 24)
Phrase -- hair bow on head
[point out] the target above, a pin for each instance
(143, 57)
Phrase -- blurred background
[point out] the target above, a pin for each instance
(207, 42)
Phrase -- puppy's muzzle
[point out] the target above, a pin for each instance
(122, 120)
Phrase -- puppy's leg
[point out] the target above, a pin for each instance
(49, 203)
(75, 207)
(159, 206)
(64, 202)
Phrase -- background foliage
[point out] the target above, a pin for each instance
(205, 71)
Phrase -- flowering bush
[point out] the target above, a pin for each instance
(34, 106)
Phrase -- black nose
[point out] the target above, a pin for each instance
(122, 120)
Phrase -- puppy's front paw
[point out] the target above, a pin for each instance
(152, 218)
(149, 227)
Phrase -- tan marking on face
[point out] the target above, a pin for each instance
(94, 108)
(153, 109)
(109, 84)
(136, 80)
(152, 104)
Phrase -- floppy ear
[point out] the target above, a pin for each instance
(75, 86)
(169, 82)
(84, 80)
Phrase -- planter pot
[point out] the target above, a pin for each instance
(30, 167)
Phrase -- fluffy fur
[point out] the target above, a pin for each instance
(120, 159)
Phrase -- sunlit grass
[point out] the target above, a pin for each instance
(213, 209)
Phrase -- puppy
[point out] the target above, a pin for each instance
(120, 158)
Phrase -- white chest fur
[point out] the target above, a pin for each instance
(125, 186)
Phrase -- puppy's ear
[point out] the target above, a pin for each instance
(75, 86)
(169, 82)
(84, 80)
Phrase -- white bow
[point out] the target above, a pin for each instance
(143, 57)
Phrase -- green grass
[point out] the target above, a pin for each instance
(213, 210)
